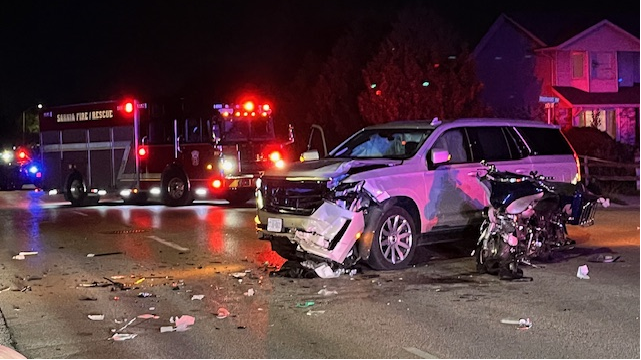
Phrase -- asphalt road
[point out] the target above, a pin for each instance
(166, 257)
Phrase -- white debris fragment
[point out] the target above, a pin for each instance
(96, 317)
(21, 255)
(315, 312)
(197, 297)
(326, 292)
(122, 337)
(249, 292)
(238, 275)
(582, 272)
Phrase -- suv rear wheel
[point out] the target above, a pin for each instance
(395, 240)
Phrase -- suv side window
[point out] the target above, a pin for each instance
(455, 142)
(545, 141)
(490, 143)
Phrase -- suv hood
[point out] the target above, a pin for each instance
(331, 167)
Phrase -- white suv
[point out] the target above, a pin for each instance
(392, 187)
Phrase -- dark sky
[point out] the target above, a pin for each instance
(62, 52)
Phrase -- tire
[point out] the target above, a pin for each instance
(76, 190)
(238, 198)
(395, 240)
(175, 188)
(284, 248)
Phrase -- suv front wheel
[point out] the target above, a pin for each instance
(395, 240)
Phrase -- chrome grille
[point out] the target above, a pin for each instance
(301, 197)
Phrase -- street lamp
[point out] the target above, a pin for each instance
(24, 121)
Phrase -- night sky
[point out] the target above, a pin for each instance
(63, 52)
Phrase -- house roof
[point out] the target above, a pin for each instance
(495, 27)
(626, 96)
(555, 28)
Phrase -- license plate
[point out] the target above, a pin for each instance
(275, 225)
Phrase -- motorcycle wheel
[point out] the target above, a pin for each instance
(487, 256)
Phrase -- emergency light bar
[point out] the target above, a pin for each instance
(247, 109)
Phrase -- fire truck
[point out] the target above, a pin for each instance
(165, 151)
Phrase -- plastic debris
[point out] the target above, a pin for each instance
(249, 292)
(238, 275)
(21, 255)
(105, 254)
(315, 312)
(122, 337)
(325, 271)
(305, 304)
(145, 295)
(582, 272)
(94, 284)
(96, 317)
(222, 313)
(523, 323)
(164, 329)
(605, 202)
(197, 297)
(139, 281)
(183, 323)
(326, 292)
(148, 316)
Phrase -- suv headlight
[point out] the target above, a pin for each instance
(350, 195)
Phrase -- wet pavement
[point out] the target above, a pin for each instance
(293, 316)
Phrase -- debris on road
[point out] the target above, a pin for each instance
(315, 312)
(21, 255)
(326, 292)
(145, 295)
(183, 323)
(249, 292)
(94, 284)
(97, 317)
(197, 297)
(582, 272)
(105, 254)
(122, 337)
(305, 304)
(522, 324)
(148, 316)
(139, 281)
(222, 313)
(88, 298)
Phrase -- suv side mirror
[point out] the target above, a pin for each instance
(309, 155)
(439, 156)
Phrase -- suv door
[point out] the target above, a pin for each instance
(454, 196)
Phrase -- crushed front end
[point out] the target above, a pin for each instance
(313, 219)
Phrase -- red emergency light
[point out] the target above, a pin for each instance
(142, 151)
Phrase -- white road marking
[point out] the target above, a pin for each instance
(168, 243)
(420, 353)
(80, 213)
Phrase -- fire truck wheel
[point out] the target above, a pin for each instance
(76, 190)
(239, 197)
(175, 188)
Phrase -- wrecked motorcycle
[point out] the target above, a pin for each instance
(526, 219)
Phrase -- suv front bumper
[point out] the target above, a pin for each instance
(330, 232)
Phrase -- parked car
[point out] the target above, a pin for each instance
(390, 188)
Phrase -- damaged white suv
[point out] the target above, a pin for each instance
(392, 187)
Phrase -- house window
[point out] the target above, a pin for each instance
(578, 61)
(602, 66)
(604, 120)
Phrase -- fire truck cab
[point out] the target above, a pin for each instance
(158, 151)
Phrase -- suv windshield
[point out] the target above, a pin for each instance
(382, 143)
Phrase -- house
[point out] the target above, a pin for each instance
(588, 77)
